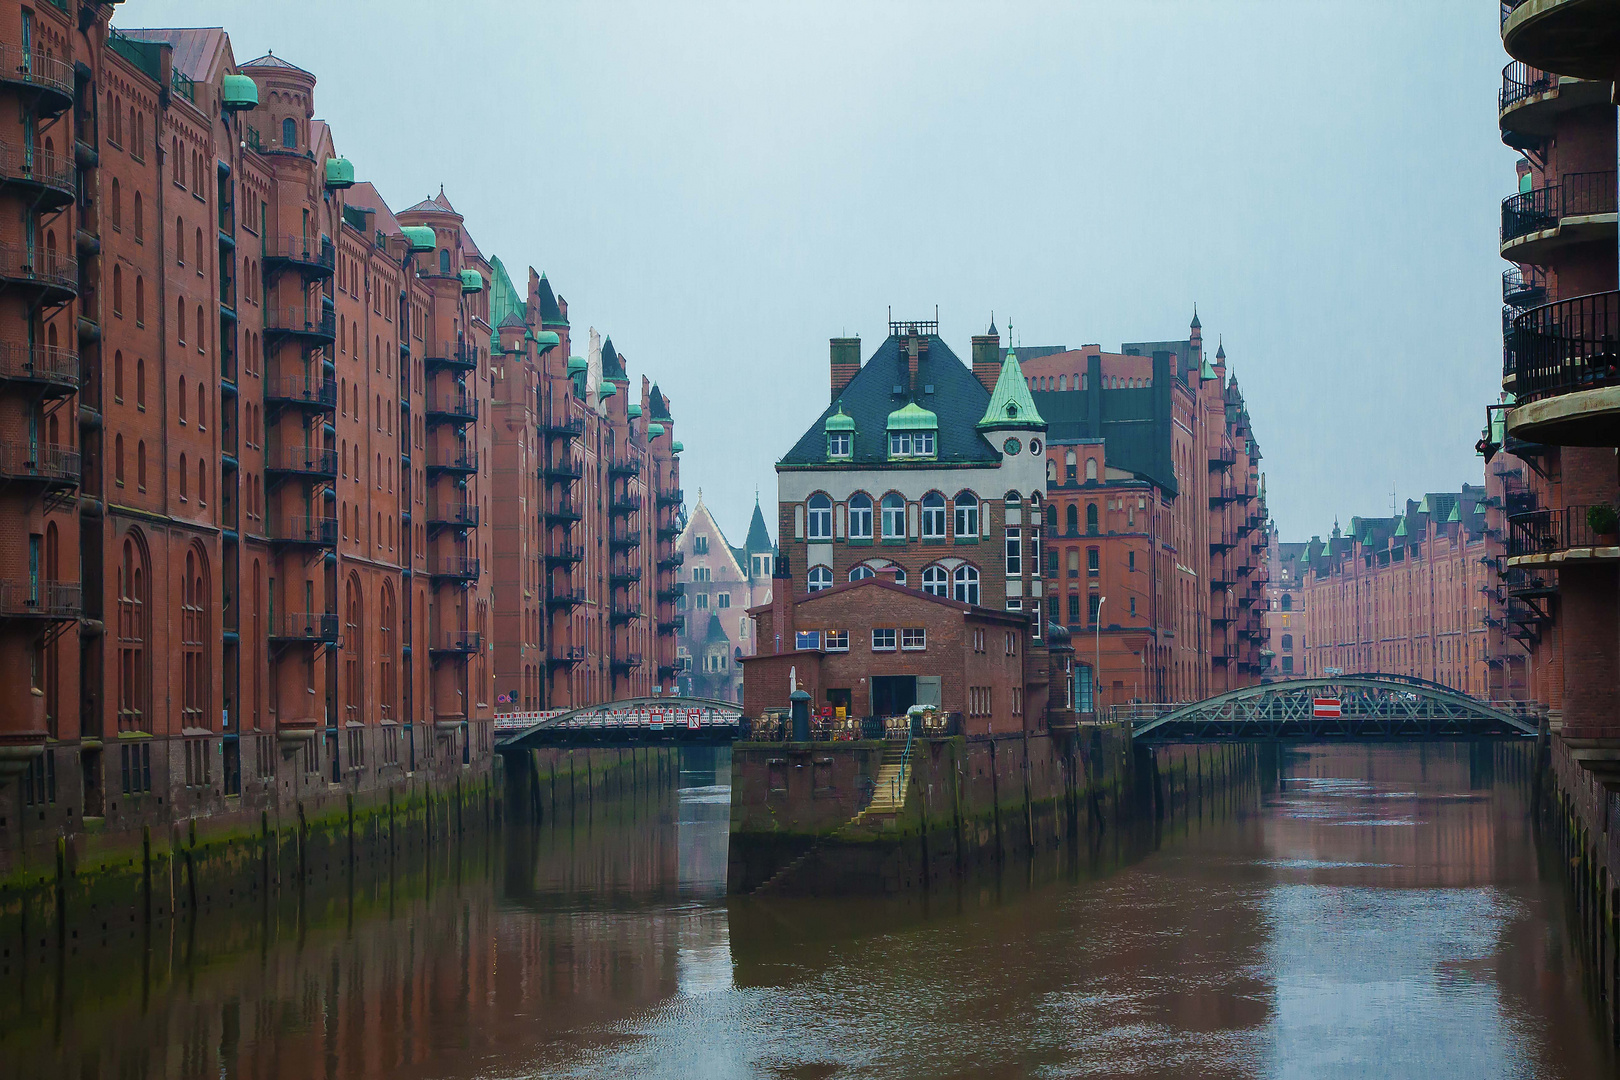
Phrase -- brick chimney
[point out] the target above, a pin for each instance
(846, 362)
(987, 357)
(781, 610)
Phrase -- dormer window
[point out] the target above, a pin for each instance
(911, 444)
(913, 432)
(840, 435)
(838, 444)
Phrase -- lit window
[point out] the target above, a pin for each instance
(883, 640)
(913, 638)
(836, 641)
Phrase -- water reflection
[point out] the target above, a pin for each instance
(1381, 912)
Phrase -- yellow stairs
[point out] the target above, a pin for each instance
(889, 786)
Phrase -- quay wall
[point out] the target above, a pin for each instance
(969, 801)
(1582, 822)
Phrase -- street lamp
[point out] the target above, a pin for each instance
(1096, 675)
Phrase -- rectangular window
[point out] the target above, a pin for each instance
(1074, 608)
(883, 640)
(702, 602)
(967, 519)
(722, 600)
(1096, 606)
(837, 641)
(1012, 643)
(838, 444)
(1093, 562)
(1082, 689)
(914, 638)
(807, 639)
(1015, 555)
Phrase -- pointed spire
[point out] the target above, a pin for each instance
(1010, 404)
(1220, 348)
(992, 331)
(1196, 325)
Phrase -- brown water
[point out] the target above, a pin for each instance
(1384, 914)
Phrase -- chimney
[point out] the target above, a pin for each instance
(781, 609)
(846, 362)
(914, 347)
(987, 357)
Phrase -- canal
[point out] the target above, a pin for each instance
(1382, 911)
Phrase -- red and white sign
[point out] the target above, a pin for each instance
(1325, 706)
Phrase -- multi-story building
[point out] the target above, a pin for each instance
(1285, 612)
(1560, 416)
(246, 448)
(719, 584)
(1155, 519)
(1415, 594)
(922, 469)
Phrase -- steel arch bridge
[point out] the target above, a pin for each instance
(646, 721)
(1339, 708)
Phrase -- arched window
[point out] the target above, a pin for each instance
(140, 383)
(202, 482)
(860, 516)
(140, 465)
(182, 399)
(353, 647)
(118, 291)
(820, 578)
(194, 606)
(118, 458)
(1069, 462)
(289, 133)
(202, 338)
(140, 220)
(1051, 471)
(1051, 516)
(861, 573)
(183, 475)
(117, 207)
(1091, 468)
(936, 581)
(386, 689)
(202, 407)
(134, 674)
(444, 260)
(196, 253)
(180, 319)
(1063, 382)
(967, 584)
(894, 517)
(1091, 519)
(1071, 520)
(140, 301)
(1288, 602)
(933, 516)
(820, 523)
(179, 242)
(966, 505)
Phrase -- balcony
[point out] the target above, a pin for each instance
(624, 504)
(54, 467)
(43, 178)
(304, 627)
(625, 466)
(1567, 372)
(671, 560)
(624, 575)
(628, 662)
(1522, 288)
(47, 80)
(622, 612)
(564, 429)
(671, 593)
(454, 568)
(312, 257)
(563, 472)
(301, 392)
(624, 539)
(1572, 37)
(452, 515)
(304, 532)
(1561, 537)
(672, 497)
(668, 531)
(55, 371)
(454, 355)
(310, 462)
(562, 512)
(566, 597)
(564, 555)
(1532, 99)
(317, 326)
(42, 601)
(459, 460)
(39, 272)
(457, 643)
(566, 656)
(447, 408)
(1578, 209)
(667, 627)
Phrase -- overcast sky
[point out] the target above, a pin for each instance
(723, 187)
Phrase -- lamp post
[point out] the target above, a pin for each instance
(1096, 675)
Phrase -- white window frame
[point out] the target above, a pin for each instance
(835, 641)
(967, 517)
(936, 581)
(819, 519)
(889, 642)
(914, 638)
(818, 579)
(1015, 552)
(860, 517)
(840, 444)
(965, 584)
(933, 517)
(893, 515)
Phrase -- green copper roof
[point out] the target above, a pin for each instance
(1454, 515)
(633, 411)
(608, 389)
(504, 298)
(839, 422)
(420, 237)
(654, 430)
(546, 339)
(1479, 508)
(909, 417)
(1400, 530)
(238, 92)
(1423, 507)
(472, 281)
(339, 172)
(676, 447)
(577, 365)
(1010, 404)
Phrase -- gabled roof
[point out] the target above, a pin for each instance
(436, 205)
(1010, 405)
(918, 595)
(363, 196)
(270, 60)
(958, 400)
(196, 51)
(505, 302)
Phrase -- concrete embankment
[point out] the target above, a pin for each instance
(797, 825)
(1583, 822)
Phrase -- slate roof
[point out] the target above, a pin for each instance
(657, 404)
(550, 314)
(759, 536)
(363, 196)
(612, 366)
(958, 400)
(195, 50)
(1134, 423)
(270, 60)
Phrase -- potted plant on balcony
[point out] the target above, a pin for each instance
(1604, 521)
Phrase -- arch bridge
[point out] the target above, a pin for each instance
(646, 721)
(1334, 709)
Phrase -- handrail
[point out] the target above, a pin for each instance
(897, 784)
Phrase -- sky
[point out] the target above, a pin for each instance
(723, 187)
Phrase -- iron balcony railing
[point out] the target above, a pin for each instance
(1523, 287)
(318, 324)
(458, 408)
(671, 560)
(572, 427)
(1510, 6)
(462, 354)
(1574, 195)
(40, 364)
(625, 466)
(1520, 80)
(1545, 532)
(625, 504)
(303, 460)
(458, 567)
(1567, 346)
(320, 532)
(565, 597)
(45, 168)
(310, 253)
(627, 662)
(301, 390)
(40, 599)
(459, 641)
(564, 554)
(305, 626)
(624, 575)
(459, 459)
(562, 511)
(567, 470)
(568, 654)
(460, 515)
(671, 497)
(623, 612)
(39, 461)
(35, 69)
(39, 266)
(624, 538)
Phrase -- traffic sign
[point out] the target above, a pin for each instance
(1325, 706)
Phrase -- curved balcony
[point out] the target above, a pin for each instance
(304, 532)
(1578, 209)
(461, 460)
(53, 467)
(48, 80)
(452, 515)
(313, 257)
(304, 627)
(49, 276)
(1566, 375)
(1572, 37)
(1523, 287)
(53, 371)
(455, 568)
(301, 392)
(317, 327)
(1531, 100)
(310, 462)
(448, 408)
(457, 643)
(457, 356)
(1559, 537)
(44, 178)
(37, 600)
